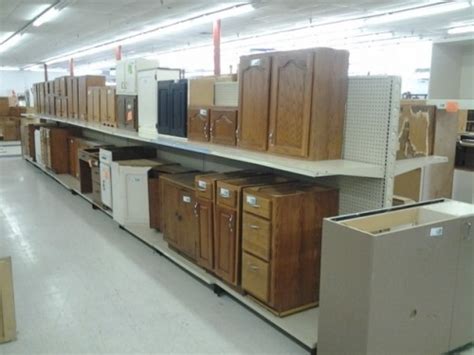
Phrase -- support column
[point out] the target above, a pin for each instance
(71, 67)
(118, 53)
(216, 36)
(45, 68)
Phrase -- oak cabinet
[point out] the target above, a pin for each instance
(198, 123)
(205, 245)
(254, 97)
(223, 125)
(83, 84)
(281, 243)
(127, 112)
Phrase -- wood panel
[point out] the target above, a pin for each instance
(254, 94)
(188, 224)
(223, 125)
(225, 242)
(204, 214)
(290, 103)
(198, 123)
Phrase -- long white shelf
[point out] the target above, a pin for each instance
(302, 326)
(297, 166)
(406, 165)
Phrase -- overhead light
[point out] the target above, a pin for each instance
(207, 17)
(424, 11)
(51, 13)
(10, 42)
(9, 68)
(460, 30)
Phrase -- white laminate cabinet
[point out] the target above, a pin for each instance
(126, 74)
(147, 97)
(38, 155)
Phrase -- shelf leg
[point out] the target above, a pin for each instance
(219, 291)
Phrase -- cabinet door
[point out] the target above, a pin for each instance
(223, 125)
(254, 81)
(179, 105)
(120, 77)
(204, 215)
(164, 102)
(131, 78)
(131, 113)
(170, 222)
(147, 102)
(73, 158)
(225, 240)
(290, 108)
(198, 124)
(187, 230)
(136, 196)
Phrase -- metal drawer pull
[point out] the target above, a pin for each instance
(201, 188)
(231, 223)
(254, 226)
(253, 267)
(255, 206)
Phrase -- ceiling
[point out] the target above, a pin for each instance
(86, 22)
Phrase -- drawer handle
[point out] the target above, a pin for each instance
(255, 206)
(231, 223)
(254, 226)
(196, 212)
(253, 267)
(202, 189)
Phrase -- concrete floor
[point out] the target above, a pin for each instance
(82, 285)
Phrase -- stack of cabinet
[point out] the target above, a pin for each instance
(293, 103)
(147, 82)
(155, 193)
(172, 107)
(83, 85)
(101, 105)
(281, 243)
(212, 110)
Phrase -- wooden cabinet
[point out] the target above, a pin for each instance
(227, 224)
(89, 173)
(180, 225)
(155, 196)
(198, 123)
(281, 243)
(290, 110)
(73, 147)
(58, 145)
(84, 82)
(172, 107)
(127, 112)
(127, 73)
(75, 98)
(302, 113)
(111, 116)
(223, 125)
(254, 94)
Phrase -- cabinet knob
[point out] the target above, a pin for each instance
(195, 209)
(231, 223)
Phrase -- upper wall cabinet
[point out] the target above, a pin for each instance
(126, 74)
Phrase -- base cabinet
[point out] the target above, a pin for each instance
(223, 125)
(172, 107)
(198, 123)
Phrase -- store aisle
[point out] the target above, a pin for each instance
(83, 285)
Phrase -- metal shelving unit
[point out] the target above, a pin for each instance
(364, 176)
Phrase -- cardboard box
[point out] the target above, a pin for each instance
(201, 91)
(84, 82)
(96, 104)
(7, 303)
(103, 104)
(90, 105)
(4, 108)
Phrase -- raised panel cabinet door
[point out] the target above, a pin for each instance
(254, 81)
(225, 239)
(187, 231)
(198, 124)
(147, 102)
(164, 106)
(223, 126)
(290, 103)
(136, 196)
(179, 105)
(170, 222)
(205, 250)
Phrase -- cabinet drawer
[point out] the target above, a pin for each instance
(226, 196)
(257, 205)
(256, 236)
(204, 188)
(255, 276)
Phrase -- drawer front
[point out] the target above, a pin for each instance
(256, 236)
(227, 196)
(257, 205)
(255, 276)
(204, 188)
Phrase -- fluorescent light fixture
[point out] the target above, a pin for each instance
(424, 11)
(12, 41)
(46, 16)
(207, 17)
(9, 68)
(461, 30)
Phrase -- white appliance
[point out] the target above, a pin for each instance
(38, 156)
(130, 191)
(126, 74)
(147, 97)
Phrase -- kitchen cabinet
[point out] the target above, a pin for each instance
(223, 125)
(130, 190)
(198, 124)
(73, 147)
(408, 273)
(172, 107)
(126, 74)
(281, 243)
(180, 225)
(89, 173)
(37, 149)
(111, 116)
(227, 224)
(109, 155)
(226, 93)
(84, 82)
(155, 194)
(57, 146)
(127, 112)
(147, 96)
(254, 94)
(75, 98)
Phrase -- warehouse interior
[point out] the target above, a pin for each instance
(236, 177)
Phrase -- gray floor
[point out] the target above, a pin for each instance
(82, 285)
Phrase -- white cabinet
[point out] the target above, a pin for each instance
(130, 191)
(38, 156)
(126, 74)
(147, 97)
